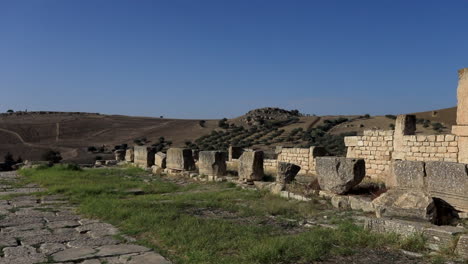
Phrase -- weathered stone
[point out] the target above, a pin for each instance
(110, 162)
(74, 254)
(276, 188)
(112, 250)
(120, 154)
(402, 227)
(441, 237)
(51, 248)
(251, 166)
(462, 246)
(212, 163)
(143, 156)
(129, 155)
(409, 174)
(149, 257)
(361, 203)
(23, 254)
(340, 201)
(160, 160)
(448, 181)
(286, 172)
(407, 204)
(235, 152)
(180, 159)
(339, 175)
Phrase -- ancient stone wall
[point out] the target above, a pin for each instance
(303, 157)
(430, 148)
(379, 148)
(375, 147)
(269, 165)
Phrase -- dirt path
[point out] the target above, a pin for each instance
(47, 230)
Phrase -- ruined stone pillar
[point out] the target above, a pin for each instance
(461, 129)
(405, 125)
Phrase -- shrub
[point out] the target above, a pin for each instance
(10, 111)
(92, 148)
(202, 123)
(393, 117)
(52, 156)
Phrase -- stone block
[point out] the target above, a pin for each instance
(339, 175)
(212, 163)
(144, 156)
(340, 201)
(404, 228)
(361, 203)
(448, 181)
(180, 159)
(409, 174)
(251, 166)
(441, 237)
(286, 172)
(129, 155)
(462, 246)
(160, 160)
(405, 125)
(352, 141)
(406, 203)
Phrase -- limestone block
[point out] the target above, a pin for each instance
(143, 156)
(449, 182)
(361, 203)
(160, 160)
(405, 125)
(405, 203)
(180, 159)
(462, 96)
(251, 166)
(120, 154)
(286, 172)
(449, 138)
(339, 175)
(129, 155)
(441, 237)
(409, 174)
(212, 163)
(462, 246)
(402, 227)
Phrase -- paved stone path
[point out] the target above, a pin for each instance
(46, 230)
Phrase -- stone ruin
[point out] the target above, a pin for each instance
(426, 175)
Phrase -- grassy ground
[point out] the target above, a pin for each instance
(209, 222)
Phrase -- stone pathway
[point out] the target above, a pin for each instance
(46, 230)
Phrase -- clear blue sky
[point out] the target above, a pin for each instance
(221, 58)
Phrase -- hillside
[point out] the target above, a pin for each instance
(29, 135)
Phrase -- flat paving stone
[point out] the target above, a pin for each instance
(37, 230)
(122, 249)
(74, 254)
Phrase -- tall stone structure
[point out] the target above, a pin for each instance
(405, 125)
(461, 129)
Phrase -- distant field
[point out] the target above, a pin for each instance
(30, 135)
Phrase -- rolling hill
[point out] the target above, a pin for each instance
(30, 134)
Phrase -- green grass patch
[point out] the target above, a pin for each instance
(206, 222)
